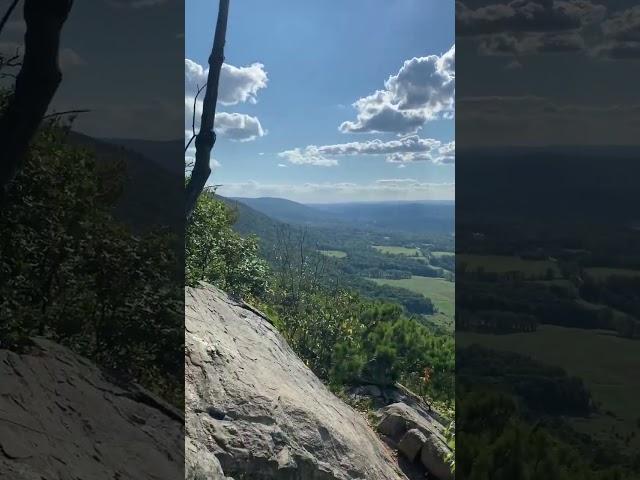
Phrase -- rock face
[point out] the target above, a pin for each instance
(417, 436)
(61, 418)
(253, 406)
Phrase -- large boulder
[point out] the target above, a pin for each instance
(61, 418)
(411, 443)
(417, 435)
(254, 405)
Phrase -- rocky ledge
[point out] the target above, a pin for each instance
(62, 418)
(255, 411)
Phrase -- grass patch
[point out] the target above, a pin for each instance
(502, 264)
(333, 253)
(440, 291)
(602, 273)
(394, 250)
(608, 364)
(442, 254)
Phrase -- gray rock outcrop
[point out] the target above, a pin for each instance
(61, 418)
(254, 405)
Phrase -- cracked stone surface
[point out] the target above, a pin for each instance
(255, 408)
(61, 418)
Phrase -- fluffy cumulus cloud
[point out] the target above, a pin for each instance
(310, 155)
(68, 57)
(527, 16)
(409, 149)
(238, 126)
(529, 44)
(237, 84)
(383, 189)
(190, 160)
(422, 90)
(621, 36)
(234, 126)
(533, 27)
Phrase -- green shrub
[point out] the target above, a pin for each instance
(218, 255)
(70, 272)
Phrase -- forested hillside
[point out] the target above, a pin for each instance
(351, 256)
(346, 338)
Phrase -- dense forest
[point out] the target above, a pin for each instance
(72, 272)
(547, 285)
(361, 260)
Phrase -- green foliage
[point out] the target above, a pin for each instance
(498, 443)
(217, 254)
(345, 340)
(342, 337)
(70, 272)
(450, 436)
(313, 323)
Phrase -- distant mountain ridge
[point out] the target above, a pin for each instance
(410, 217)
(152, 195)
(252, 222)
(167, 154)
(289, 211)
(560, 184)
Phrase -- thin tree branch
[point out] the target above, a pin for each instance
(206, 137)
(8, 13)
(193, 118)
(65, 112)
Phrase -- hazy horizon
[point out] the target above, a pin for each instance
(445, 202)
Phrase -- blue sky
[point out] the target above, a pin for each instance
(296, 69)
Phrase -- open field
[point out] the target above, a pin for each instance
(333, 253)
(608, 365)
(602, 273)
(442, 254)
(440, 291)
(394, 250)
(504, 264)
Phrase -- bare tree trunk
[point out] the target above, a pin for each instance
(206, 137)
(36, 83)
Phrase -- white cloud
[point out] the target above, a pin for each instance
(422, 90)
(527, 16)
(189, 161)
(308, 156)
(68, 58)
(531, 43)
(237, 84)
(238, 126)
(380, 190)
(234, 126)
(404, 150)
(621, 36)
